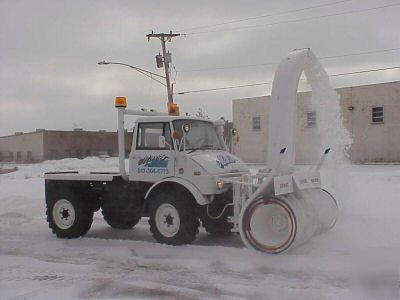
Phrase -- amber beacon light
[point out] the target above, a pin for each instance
(173, 109)
(120, 102)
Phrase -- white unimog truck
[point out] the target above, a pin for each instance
(174, 168)
(180, 173)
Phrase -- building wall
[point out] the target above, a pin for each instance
(375, 142)
(371, 142)
(250, 145)
(79, 144)
(49, 144)
(23, 143)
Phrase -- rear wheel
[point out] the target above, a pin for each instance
(119, 217)
(122, 206)
(67, 216)
(173, 219)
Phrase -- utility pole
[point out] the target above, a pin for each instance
(164, 37)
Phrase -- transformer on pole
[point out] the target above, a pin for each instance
(165, 59)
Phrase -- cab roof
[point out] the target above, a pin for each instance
(152, 119)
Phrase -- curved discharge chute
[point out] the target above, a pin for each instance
(287, 208)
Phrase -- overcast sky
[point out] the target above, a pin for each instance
(49, 77)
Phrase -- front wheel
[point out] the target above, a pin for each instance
(173, 219)
(68, 217)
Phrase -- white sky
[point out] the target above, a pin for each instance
(49, 77)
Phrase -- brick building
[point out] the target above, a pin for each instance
(53, 144)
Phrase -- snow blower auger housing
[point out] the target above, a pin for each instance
(181, 174)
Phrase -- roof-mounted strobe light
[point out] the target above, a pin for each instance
(120, 102)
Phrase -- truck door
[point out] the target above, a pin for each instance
(149, 161)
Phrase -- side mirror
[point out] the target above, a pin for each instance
(186, 128)
(161, 141)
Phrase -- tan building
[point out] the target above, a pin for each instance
(371, 114)
(51, 144)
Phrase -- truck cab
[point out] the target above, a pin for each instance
(183, 149)
(174, 178)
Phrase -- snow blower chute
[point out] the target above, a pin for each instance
(280, 208)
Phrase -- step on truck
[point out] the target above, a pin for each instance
(174, 178)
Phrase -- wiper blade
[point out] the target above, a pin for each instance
(204, 147)
(207, 147)
(192, 150)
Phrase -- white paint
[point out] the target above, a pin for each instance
(283, 109)
(83, 177)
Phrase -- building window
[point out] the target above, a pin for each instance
(256, 123)
(311, 119)
(377, 114)
(19, 156)
(29, 156)
(11, 156)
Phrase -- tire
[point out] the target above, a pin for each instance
(120, 218)
(173, 218)
(122, 206)
(218, 227)
(67, 216)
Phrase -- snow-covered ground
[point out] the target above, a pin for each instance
(357, 258)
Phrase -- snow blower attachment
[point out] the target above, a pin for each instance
(280, 209)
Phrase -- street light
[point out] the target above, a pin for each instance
(141, 71)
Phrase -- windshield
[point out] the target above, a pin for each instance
(202, 135)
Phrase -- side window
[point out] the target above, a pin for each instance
(148, 134)
(311, 119)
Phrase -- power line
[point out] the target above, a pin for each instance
(366, 71)
(293, 21)
(265, 16)
(224, 88)
(276, 63)
(360, 53)
(269, 83)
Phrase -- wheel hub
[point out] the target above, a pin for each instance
(63, 214)
(167, 220)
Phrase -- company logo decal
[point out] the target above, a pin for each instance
(153, 164)
(224, 160)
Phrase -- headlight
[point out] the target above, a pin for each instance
(220, 184)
